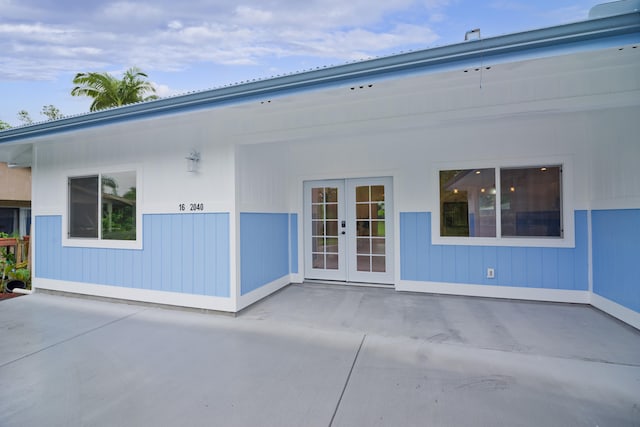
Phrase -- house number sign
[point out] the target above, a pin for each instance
(191, 207)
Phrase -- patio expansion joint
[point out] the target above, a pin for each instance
(88, 331)
(548, 356)
(346, 383)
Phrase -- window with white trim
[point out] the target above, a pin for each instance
(530, 200)
(103, 206)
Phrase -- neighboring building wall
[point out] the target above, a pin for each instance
(15, 184)
(15, 200)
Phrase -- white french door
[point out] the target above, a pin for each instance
(325, 230)
(348, 230)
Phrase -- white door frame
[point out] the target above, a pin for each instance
(347, 235)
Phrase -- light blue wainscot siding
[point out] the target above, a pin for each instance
(532, 267)
(616, 256)
(264, 249)
(186, 253)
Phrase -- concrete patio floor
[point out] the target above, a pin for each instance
(317, 355)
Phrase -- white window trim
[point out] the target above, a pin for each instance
(568, 222)
(80, 242)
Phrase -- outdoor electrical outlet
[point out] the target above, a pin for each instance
(491, 274)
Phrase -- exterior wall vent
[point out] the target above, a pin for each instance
(613, 8)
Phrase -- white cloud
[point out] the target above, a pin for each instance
(127, 12)
(252, 16)
(39, 39)
(164, 91)
(175, 25)
(359, 43)
(168, 35)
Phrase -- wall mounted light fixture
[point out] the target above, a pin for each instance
(193, 161)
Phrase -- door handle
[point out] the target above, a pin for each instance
(344, 225)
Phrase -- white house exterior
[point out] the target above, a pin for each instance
(505, 167)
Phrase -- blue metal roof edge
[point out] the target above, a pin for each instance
(545, 39)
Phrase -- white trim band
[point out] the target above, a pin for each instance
(616, 310)
(205, 302)
(491, 291)
(262, 292)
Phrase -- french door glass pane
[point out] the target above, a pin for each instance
(332, 210)
(378, 264)
(332, 262)
(318, 261)
(362, 211)
(370, 215)
(332, 228)
(378, 228)
(317, 195)
(331, 245)
(364, 263)
(324, 229)
(378, 246)
(362, 194)
(363, 246)
(317, 211)
(317, 244)
(363, 228)
(331, 195)
(377, 193)
(377, 210)
(317, 228)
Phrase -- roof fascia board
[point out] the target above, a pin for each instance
(379, 68)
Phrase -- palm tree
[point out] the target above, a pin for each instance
(107, 91)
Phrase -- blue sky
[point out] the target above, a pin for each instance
(201, 44)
